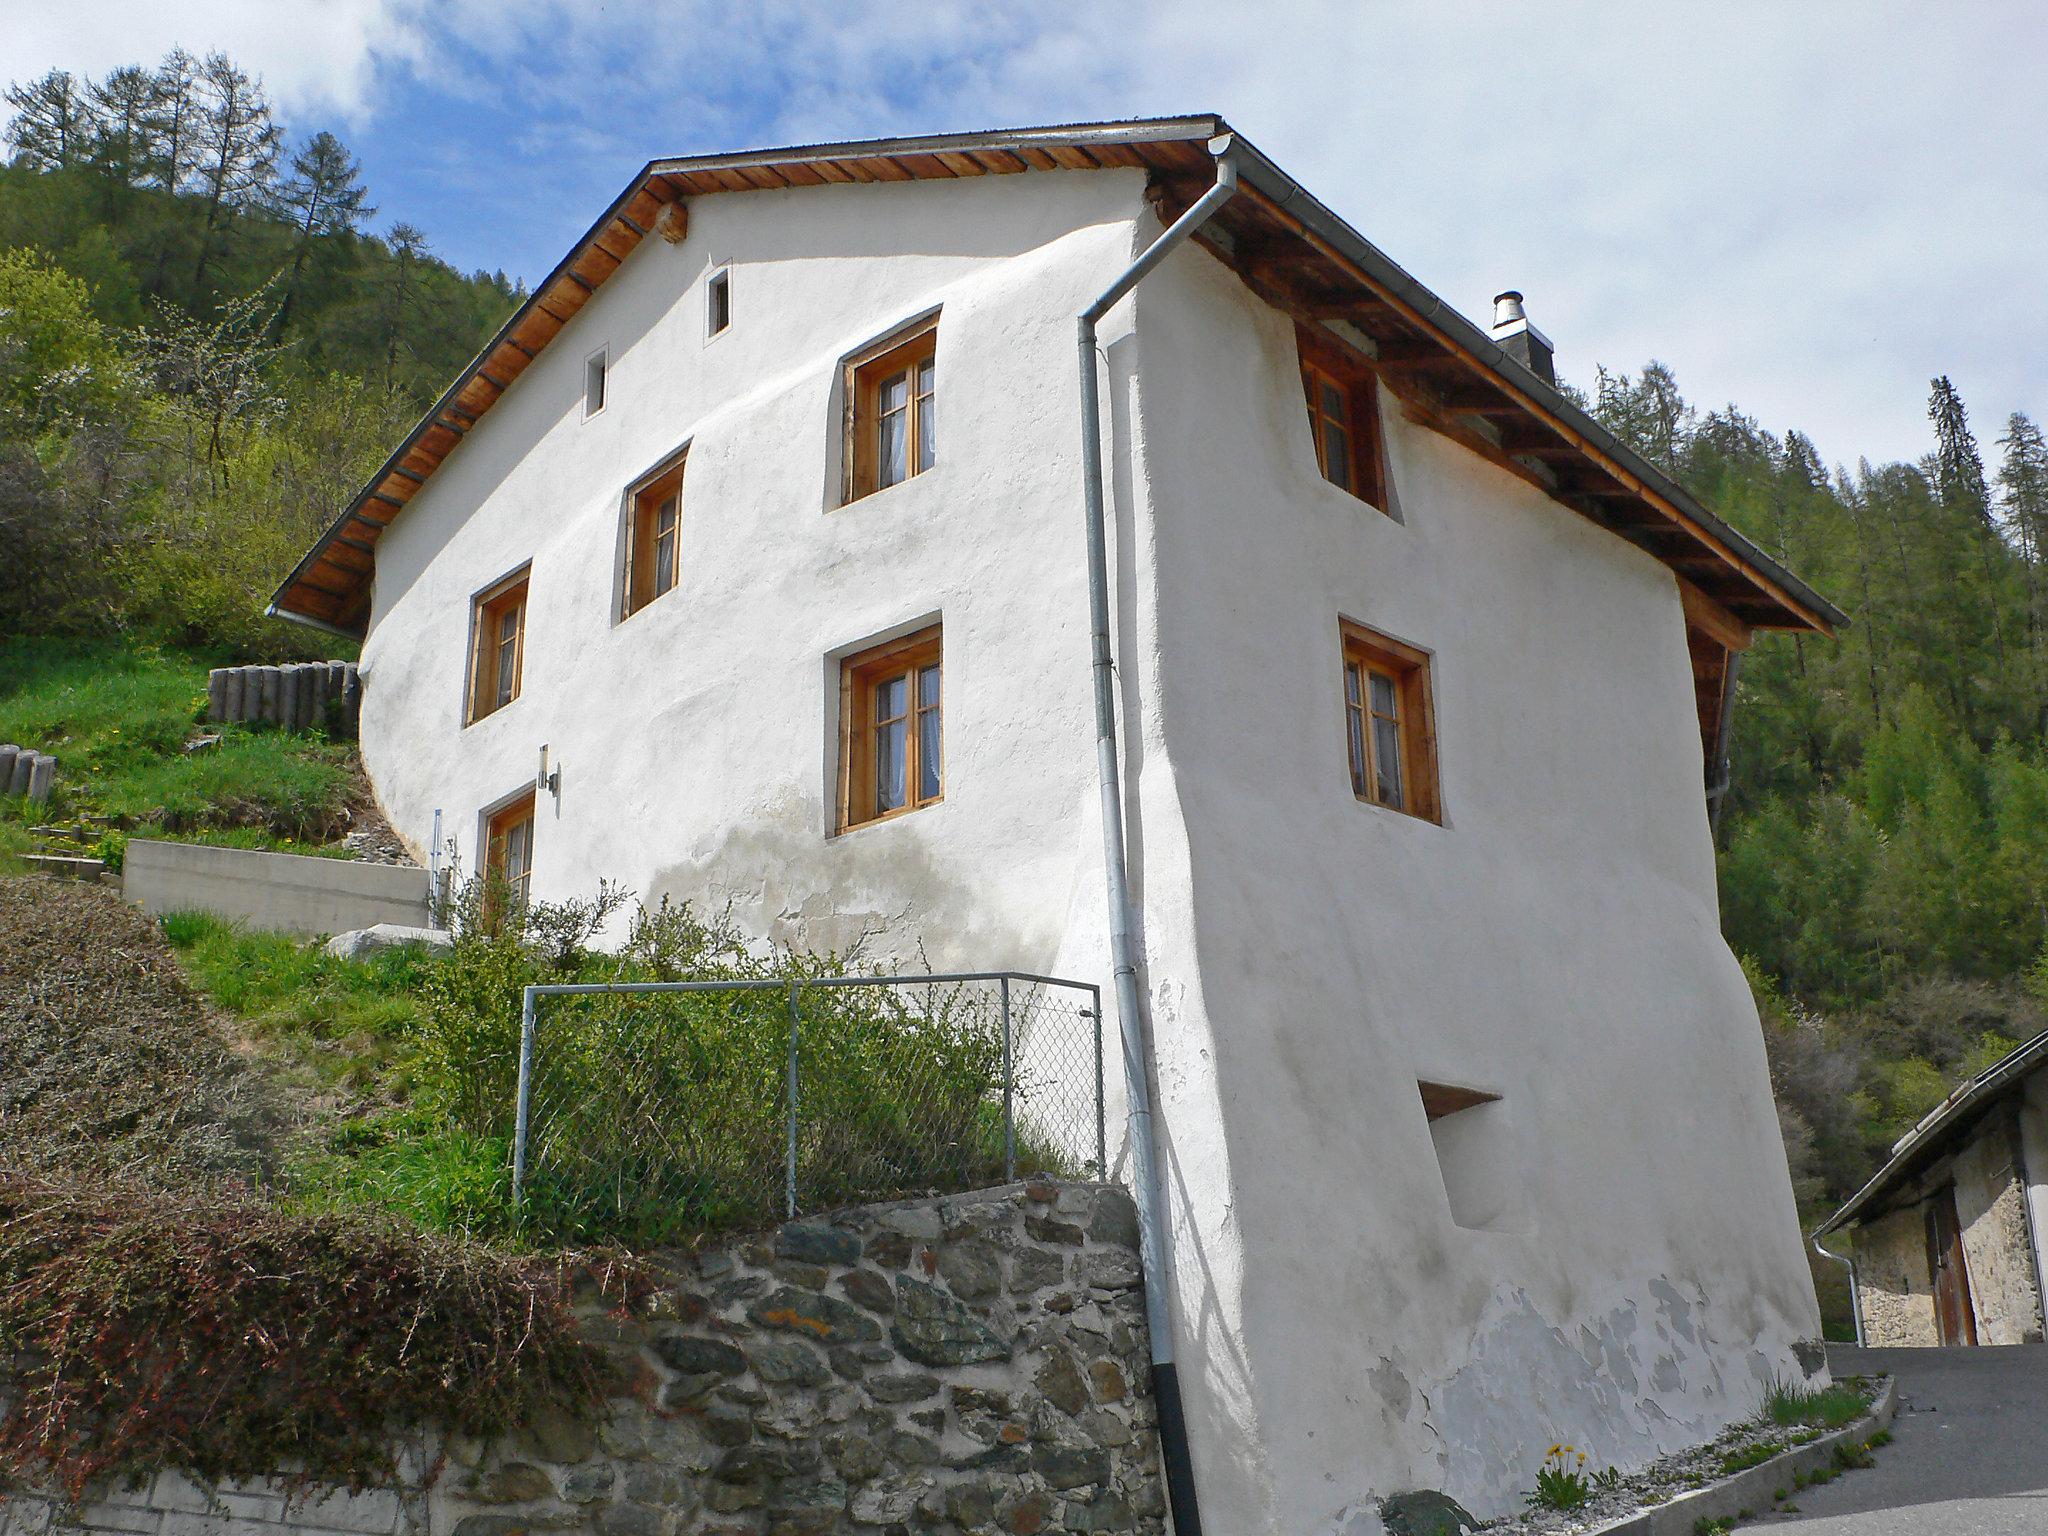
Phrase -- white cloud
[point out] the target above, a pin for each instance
(313, 55)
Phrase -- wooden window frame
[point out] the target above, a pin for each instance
(860, 676)
(1324, 362)
(717, 284)
(602, 373)
(643, 544)
(484, 609)
(905, 349)
(1408, 669)
(521, 810)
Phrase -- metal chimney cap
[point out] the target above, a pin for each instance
(1507, 309)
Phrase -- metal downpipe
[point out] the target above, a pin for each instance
(1855, 1290)
(1134, 1025)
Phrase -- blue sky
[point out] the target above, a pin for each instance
(1806, 206)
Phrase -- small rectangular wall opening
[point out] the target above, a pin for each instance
(1474, 1153)
(595, 368)
(718, 302)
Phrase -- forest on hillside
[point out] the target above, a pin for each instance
(204, 349)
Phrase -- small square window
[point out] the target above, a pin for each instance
(595, 367)
(508, 856)
(497, 646)
(893, 412)
(1344, 420)
(891, 737)
(718, 302)
(1475, 1154)
(654, 540)
(1389, 723)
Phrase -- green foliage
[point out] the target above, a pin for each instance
(207, 1331)
(117, 718)
(1562, 1482)
(350, 1022)
(1830, 1407)
(1749, 1456)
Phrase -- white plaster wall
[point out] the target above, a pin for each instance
(1556, 941)
(1308, 957)
(695, 739)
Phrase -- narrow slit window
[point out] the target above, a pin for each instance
(893, 419)
(508, 855)
(892, 741)
(1389, 730)
(654, 540)
(718, 302)
(595, 368)
(1343, 420)
(498, 656)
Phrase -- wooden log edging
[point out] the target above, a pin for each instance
(303, 696)
(27, 773)
(1753, 1488)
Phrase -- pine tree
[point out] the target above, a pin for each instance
(1958, 467)
(326, 200)
(52, 126)
(176, 119)
(124, 111)
(2023, 498)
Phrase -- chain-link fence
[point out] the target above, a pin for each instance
(651, 1110)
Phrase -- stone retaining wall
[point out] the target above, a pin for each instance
(946, 1367)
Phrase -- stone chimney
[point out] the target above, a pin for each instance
(1521, 340)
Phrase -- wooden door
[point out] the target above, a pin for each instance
(1951, 1277)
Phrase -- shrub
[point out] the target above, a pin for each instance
(209, 1332)
(658, 1116)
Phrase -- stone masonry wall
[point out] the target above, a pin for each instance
(950, 1367)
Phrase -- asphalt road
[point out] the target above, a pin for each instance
(1969, 1453)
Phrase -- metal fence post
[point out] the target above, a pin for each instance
(1101, 1111)
(1009, 1093)
(789, 1172)
(525, 1106)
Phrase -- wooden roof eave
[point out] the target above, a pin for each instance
(1280, 197)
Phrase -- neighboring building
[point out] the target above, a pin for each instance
(1947, 1236)
(764, 516)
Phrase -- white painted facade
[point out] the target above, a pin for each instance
(1630, 1275)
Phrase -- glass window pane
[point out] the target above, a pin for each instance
(665, 560)
(927, 431)
(1356, 724)
(1336, 455)
(889, 743)
(930, 754)
(1333, 401)
(928, 688)
(890, 695)
(1385, 697)
(1386, 754)
(890, 460)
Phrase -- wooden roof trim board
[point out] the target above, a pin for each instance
(1297, 255)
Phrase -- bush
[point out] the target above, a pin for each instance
(654, 1117)
(209, 1332)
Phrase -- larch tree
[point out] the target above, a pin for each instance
(326, 198)
(237, 151)
(52, 126)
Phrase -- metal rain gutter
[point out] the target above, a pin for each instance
(1154, 1230)
(1855, 1289)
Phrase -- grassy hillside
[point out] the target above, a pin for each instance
(120, 718)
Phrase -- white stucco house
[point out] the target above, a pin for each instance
(764, 518)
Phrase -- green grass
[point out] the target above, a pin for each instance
(117, 718)
(1750, 1456)
(1831, 1407)
(347, 1023)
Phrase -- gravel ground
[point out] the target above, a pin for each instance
(109, 1062)
(1659, 1482)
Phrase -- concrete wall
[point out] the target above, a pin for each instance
(972, 1364)
(1636, 1277)
(278, 892)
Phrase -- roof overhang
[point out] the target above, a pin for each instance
(1282, 243)
(1940, 1129)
